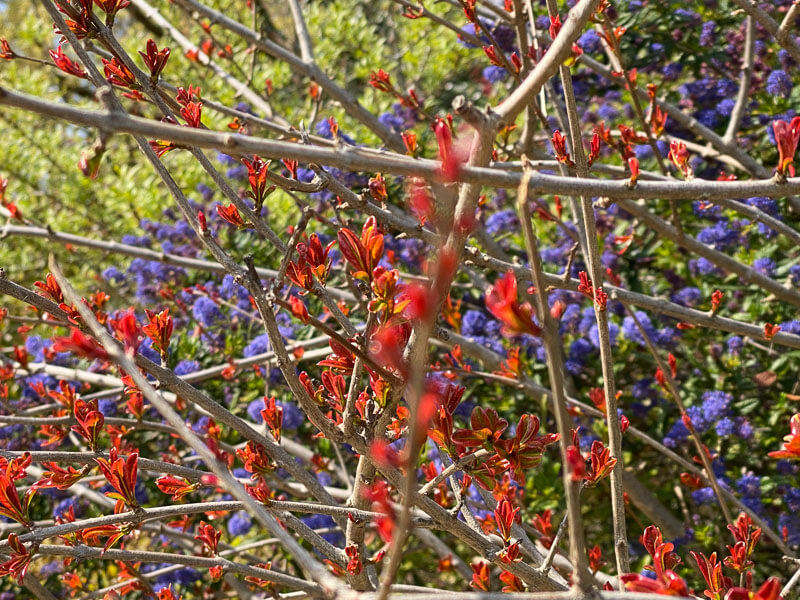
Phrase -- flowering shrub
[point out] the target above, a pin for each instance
(360, 299)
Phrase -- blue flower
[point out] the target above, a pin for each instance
(672, 71)
(505, 37)
(36, 345)
(571, 318)
(779, 84)
(698, 417)
(715, 405)
(580, 349)
(707, 33)
(254, 411)
(721, 235)
(132, 240)
(749, 485)
(643, 389)
(186, 366)
(677, 433)
(61, 509)
(765, 266)
(324, 522)
(689, 296)
(743, 428)
(704, 496)
(631, 331)
(239, 524)
(607, 112)
(725, 107)
(767, 205)
(494, 74)
(791, 327)
(590, 42)
(753, 503)
(205, 311)
(791, 522)
(183, 576)
(226, 159)
(473, 323)
(794, 274)
(113, 274)
(613, 334)
(391, 121)
(293, 417)
(504, 220)
(726, 88)
(725, 426)
(708, 117)
(703, 266)
(686, 14)
(259, 345)
(51, 568)
(237, 172)
(792, 499)
(324, 129)
(107, 406)
(470, 29)
(786, 60)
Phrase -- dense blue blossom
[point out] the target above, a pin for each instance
(494, 74)
(791, 327)
(707, 33)
(631, 332)
(323, 128)
(258, 345)
(113, 274)
(62, 508)
(292, 416)
(474, 322)
(704, 496)
(779, 83)
(240, 523)
(181, 576)
(715, 405)
(790, 523)
(725, 426)
(721, 235)
(688, 296)
(671, 71)
(708, 117)
(502, 221)
(743, 428)
(749, 485)
(324, 522)
(643, 389)
(186, 366)
(753, 503)
(107, 406)
(725, 107)
(792, 499)
(590, 42)
(703, 266)
(146, 350)
(765, 266)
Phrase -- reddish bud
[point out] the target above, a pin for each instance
(154, 58)
(787, 136)
(64, 63)
(770, 330)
